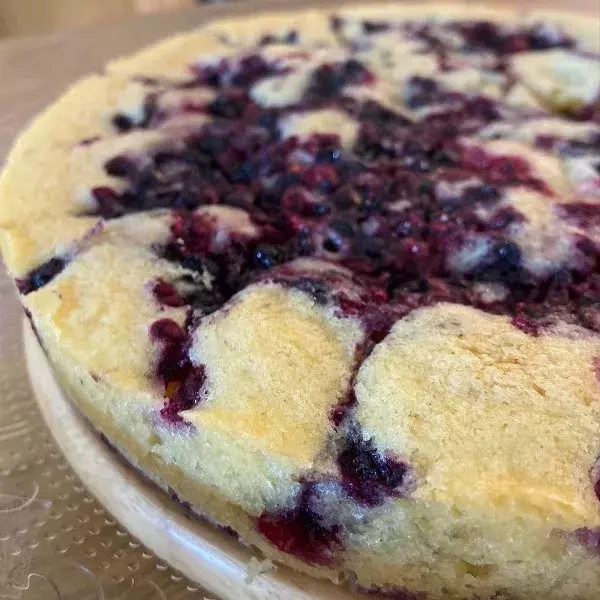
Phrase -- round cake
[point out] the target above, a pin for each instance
(332, 278)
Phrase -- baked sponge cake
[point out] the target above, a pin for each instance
(333, 279)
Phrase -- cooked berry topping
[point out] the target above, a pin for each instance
(166, 330)
(404, 210)
(327, 81)
(488, 36)
(243, 74)
(317, 290)
(107, 201)
(422, 91)
(405, 220)
(502, 263)
(588, 537)
(120, 166)
(166, 293)
(41, 276)
(122, 123)
(291, 37)
(502, 170)
(485, 36)
(300, 531)
(367, 475)
(529, 326)
(266, 256)
(585, 215)
(186, 395)
(182, 380)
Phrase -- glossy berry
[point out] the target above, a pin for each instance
(266, 256)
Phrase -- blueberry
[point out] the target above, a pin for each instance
(244, 173)
(421, 91)
(353, 71)
(119, 166)
(251, 68)
(508, 256)
(319, 209)
(328, 155)
(481, 193)
(269, 120)
(149, 111)
(209, 75)
(503, 263)
(347, 229)
(343, 198)
(370, 247)
(291, 38)
(267, 256)
(41, 276)
(212, 145)
(227, 107)
(336, 22)
(368, 475)
(332, 244)
(443, 158)
(314, 288)
(122, 123)
(370, 27)
(426, 187)
(541, 37)
(199, 264)
(484, 34)
(326, 81)
(46, 272)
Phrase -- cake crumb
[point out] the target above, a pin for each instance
(256, 567)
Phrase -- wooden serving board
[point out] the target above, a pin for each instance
(202, 552)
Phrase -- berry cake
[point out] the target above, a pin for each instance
(332, 278)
